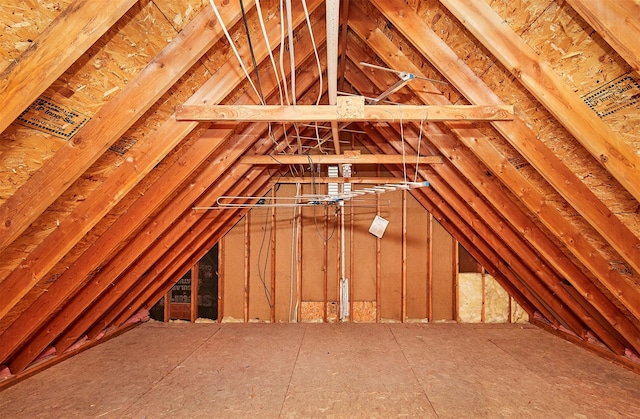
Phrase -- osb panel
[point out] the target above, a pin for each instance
(22, 22)
(94, 78)
(109, 162)
(404, 47)
(496, 301)
(519, 14)
(363, 312)
(332, 312)
(311, 312)
(470, 297)
(443, 23)
(180, 12)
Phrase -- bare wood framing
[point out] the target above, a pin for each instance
(541, 81)
(337, 159)
(53, 51)
(109, 123)
(617, 22)
(346, 113)
(533, 200)
(524, 140)
(324, 179)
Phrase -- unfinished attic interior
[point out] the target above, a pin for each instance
(423, 172)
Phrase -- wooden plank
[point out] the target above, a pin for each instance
(517, 183)
(333, 113)
(53, 52)
(286, 159)
(564, 181)
(109, 123)
(403, 269)
(324, 180)
(194, 292)
(540, 80)
(618, 24)
(245, 300)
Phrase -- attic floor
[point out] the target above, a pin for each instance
(329, 370)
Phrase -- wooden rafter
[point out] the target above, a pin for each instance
(517, 254)
(446, 145)
(540, 80)
(523, 139)
(170, 132)
(53, 51)
(618, 22)
(109, 123)
(532, 199)
(67, 285)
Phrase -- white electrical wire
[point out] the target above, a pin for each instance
(282, 72)
(404, 155)
(292, 59)
(266, 40)
(423, 117)
(235, 51)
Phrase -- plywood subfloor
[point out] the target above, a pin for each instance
(329, 370)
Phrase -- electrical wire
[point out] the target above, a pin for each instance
(253, 56)
(423, 117)
(266, 40)
(233, 47)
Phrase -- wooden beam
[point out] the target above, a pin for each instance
(523, 139)
(110, 122)
(540, 80)
(333, 159)
(348, 112)
(324, 179)
(618, 22)
(68, 37)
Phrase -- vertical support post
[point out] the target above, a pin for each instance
(378, 260)
(456, 268)
(403, 292)
(221, 246)
(325, 267)
(167, 306)
(195, 273)
(482, 308)
(430, 267)
(246, 268)
(299, 259)
(273, 257)
(339, 265)
(351, 263)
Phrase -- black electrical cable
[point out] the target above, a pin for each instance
(253, 57)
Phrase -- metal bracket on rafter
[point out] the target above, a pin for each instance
(404, 79)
